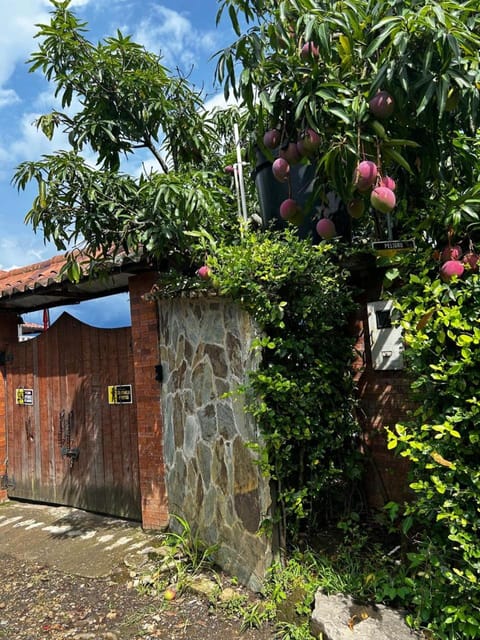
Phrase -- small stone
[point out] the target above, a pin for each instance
(204, 586)
(227, 595)
(162, 551)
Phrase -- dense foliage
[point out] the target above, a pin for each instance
(303, 391)
(308, 64)
(441, 321)
(424, 54)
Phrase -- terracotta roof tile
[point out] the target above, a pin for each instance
(42, 284)
(40, 274)
(31, 327)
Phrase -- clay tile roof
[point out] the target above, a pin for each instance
(22, 279)
(31, 327)
(43, 285)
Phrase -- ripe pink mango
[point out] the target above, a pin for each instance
(272, 138)
(309, 51)
(281, 169)
(383, 199)
(451, 268)
(451, 253)
(204, 272)
(326, 229)
(365, 175)
(290, 153)
(382, 105)
(290, 209)
(308, 143)
(388, 182)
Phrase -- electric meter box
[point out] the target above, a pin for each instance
(386, 339)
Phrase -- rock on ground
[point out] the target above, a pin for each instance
(340, 617)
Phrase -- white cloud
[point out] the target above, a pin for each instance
(15, 252)
(18, 20)
(8, 97)
(47, 101)
(28, 144)
(173, 35)
(31, 143)
(218, 102)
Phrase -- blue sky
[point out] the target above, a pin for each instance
(185, 34)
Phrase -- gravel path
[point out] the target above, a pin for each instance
(41, 603)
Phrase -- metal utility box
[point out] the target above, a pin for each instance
(386, 341)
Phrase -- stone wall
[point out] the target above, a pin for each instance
(212, 478)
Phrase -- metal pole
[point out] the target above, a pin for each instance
(240, 171)
(237, 189)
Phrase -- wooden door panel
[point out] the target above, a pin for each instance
(70, 446)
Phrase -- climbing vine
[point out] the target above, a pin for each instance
(302, 392)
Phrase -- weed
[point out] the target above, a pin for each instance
(255, 615)
(288, 631)
(196, 554)
(183, 555)
(139, 615)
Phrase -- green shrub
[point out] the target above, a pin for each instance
(302, 393)
(441, 322)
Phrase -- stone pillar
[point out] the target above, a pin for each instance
(213, 479)
(8, 335)
(147, 398)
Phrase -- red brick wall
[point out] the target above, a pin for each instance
(383, 400)
(147, 397)
(8, 335)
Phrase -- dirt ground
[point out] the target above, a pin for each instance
(41, 603)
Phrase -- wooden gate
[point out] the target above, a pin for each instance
(71, 420)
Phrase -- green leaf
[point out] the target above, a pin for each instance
(427, 96)
(390, 23)
(394, 156)
(340, 113)
(74, 271)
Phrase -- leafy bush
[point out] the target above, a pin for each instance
(424, 54)
(442, 333)
(302, 393)
(126, 102)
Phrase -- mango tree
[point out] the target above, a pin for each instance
(389, 93)
(115, 100)
(390, 83)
